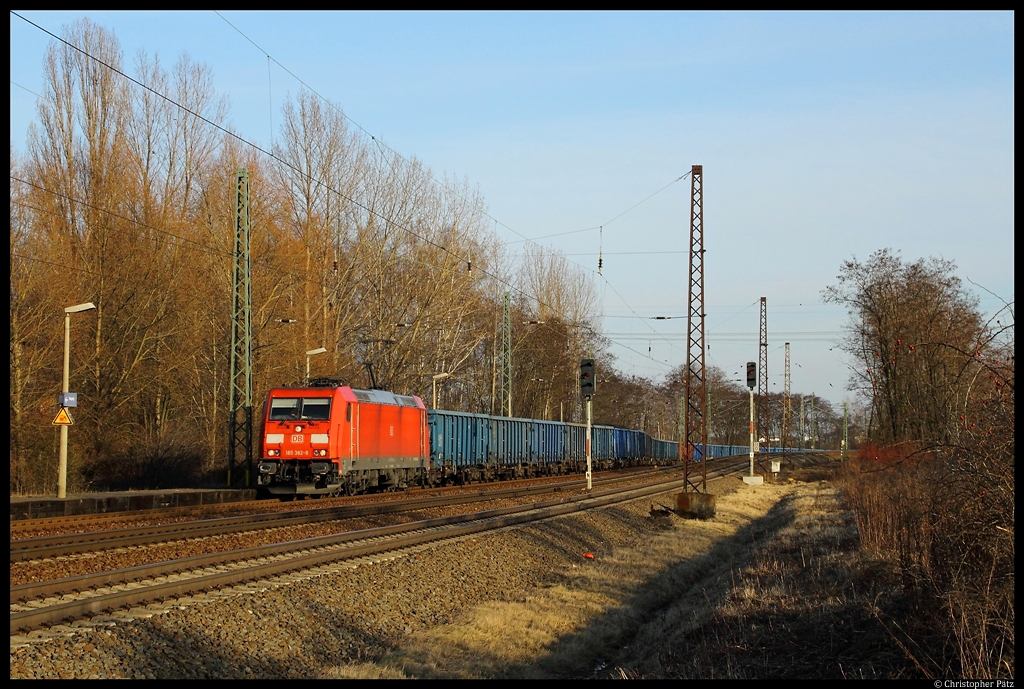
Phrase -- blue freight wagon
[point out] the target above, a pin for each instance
(469, 447)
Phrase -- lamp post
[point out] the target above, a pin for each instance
(318, 350)
(433, 383)
(62, 461)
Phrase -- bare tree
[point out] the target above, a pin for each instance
(126, 199)
(905, 318)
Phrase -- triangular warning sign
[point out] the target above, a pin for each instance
(63, 418)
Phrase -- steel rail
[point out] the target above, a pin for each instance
(69, 544)
(328, 549)
(36, 523)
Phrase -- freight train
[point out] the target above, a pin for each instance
(330, 439)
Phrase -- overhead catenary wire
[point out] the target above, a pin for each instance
(25, 89)
(608, 222)
(627, 253)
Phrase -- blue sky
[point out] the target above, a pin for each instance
(822, 136)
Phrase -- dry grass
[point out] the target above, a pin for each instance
(626, 599)
(802, 607)
(776, 585)
(944, 524)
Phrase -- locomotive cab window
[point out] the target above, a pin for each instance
(284, 408)
(316, 408)
(294, 408)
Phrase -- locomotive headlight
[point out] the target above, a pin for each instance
(298, 428)
(272, 453)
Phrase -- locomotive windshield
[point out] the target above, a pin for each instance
(316, 408)
(305, 408)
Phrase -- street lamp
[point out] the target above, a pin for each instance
(62, 461)
(433, 383)
(318, 350)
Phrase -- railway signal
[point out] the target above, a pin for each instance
(588, 383)
(752, 383)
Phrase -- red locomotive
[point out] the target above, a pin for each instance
(334, 440)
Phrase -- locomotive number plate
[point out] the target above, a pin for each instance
(298, 438)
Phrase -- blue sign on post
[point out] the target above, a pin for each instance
(68, 399)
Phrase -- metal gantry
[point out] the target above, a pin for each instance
(240, 384)
(695, 430)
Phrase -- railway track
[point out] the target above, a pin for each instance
(47, 603)
(68, 544)
(86, 522)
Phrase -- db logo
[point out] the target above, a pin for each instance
(297, 438)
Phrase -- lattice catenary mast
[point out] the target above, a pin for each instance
(695, 431)
(786, 408)
(762, 388)
(506, 356)
(240, 384)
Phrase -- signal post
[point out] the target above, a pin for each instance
(588, 385)
(753, 479)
